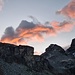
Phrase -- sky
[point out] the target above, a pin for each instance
(37, 23)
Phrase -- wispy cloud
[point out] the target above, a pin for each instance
(68, 10)
(1, 4)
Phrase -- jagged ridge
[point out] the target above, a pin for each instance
(55, 60)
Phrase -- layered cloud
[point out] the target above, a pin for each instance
(28, 31)
(36, 31)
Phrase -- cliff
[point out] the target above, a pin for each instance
(20, 60)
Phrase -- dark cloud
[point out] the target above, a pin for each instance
(25, 25)
(9, 33)
(35, 21)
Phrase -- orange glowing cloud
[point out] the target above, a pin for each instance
(68, 10)
(64, 26)
(37, 52)
(25, 33)
(36, 31)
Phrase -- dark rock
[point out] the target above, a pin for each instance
(55, 59)
(1, 70)
(71, 50)
(54, 47)
(19, 54)
(73, 43)
(27, 54)
(37, 64)
(27, 50)
(16, 51)
(59, 60)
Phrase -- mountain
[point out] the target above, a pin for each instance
(20, 60)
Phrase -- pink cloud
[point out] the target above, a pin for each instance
(68, 10)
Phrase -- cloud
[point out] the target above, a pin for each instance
(64, 26)
(1, 4)
(68, 10)
(25, 25)
(35, 21)
(9, 34)
(36, 31)
(26, 31)
(30, 32)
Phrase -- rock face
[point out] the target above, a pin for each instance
(20, 60)
(61, 63)
(71, 49)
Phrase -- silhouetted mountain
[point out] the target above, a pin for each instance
(71, 49)
(20, 60)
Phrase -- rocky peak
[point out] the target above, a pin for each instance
(54, 47)
(54, 60)
(73, 43)
(26, 50)
(71, 49)
(53, 50)
(58, 59)
(12, 53)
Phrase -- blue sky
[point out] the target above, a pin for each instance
(14, 11)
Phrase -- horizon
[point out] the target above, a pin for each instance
(38, 53)
(37, 23)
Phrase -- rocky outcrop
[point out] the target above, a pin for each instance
(71, 50)
(61, 63)
(1, 71)
(54, 61)
(12, 53)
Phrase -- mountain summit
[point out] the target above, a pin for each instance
(20, 60)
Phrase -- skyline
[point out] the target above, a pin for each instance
(52, 21)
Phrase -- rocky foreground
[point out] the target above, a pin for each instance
(20, 60)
